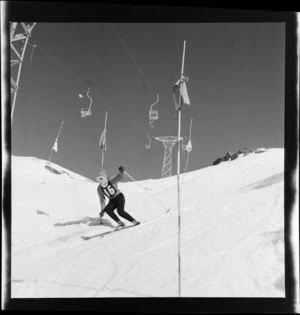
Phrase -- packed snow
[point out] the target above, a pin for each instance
(231, 244)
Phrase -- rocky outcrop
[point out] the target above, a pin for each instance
(232, 156)
(227, 157)
(262, 150)
(53, 170)
(218, 161)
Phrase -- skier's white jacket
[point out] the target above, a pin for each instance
(111, 191)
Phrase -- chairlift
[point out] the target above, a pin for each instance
(153, 114)
(86, 111)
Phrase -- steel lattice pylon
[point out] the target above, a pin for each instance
(19, 35)
(168, 143)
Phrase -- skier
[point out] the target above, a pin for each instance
(109, 188)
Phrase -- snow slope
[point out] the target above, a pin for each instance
(232, 233)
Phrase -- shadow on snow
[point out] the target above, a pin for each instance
(271, 180)
(88, 221)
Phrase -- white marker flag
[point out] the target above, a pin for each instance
(55, 146)
(180, 91)
(102, 141)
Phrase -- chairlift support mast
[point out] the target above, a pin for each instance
(18, 44)
(168, 142)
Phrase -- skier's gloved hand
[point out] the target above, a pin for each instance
(121, 169)
(101, 214)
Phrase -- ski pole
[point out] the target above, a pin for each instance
(147, 192)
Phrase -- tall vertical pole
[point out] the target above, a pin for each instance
(104, 135)
(102, 163)
(178, 174)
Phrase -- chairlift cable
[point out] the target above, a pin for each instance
(108, 103)
(31, 51)
(139, 68)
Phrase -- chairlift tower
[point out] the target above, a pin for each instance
(168, 143)
(19, 36)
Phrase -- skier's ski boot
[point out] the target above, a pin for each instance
(120, 225)
(135, 222)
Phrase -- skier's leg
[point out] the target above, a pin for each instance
(120, 209)
(109, 209)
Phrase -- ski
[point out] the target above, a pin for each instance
(85, 238)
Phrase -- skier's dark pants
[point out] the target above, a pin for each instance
(117, 203)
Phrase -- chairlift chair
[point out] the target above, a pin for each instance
(153, 114)
(86, 111)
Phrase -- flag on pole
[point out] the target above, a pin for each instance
(180, 91)
(55, 146)
(102, 141)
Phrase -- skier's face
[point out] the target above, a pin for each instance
(103, 181)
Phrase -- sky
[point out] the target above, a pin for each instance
(236, 82)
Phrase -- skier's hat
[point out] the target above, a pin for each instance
(102, 178)
(102, 173)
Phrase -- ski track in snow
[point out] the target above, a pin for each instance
(231, 236)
